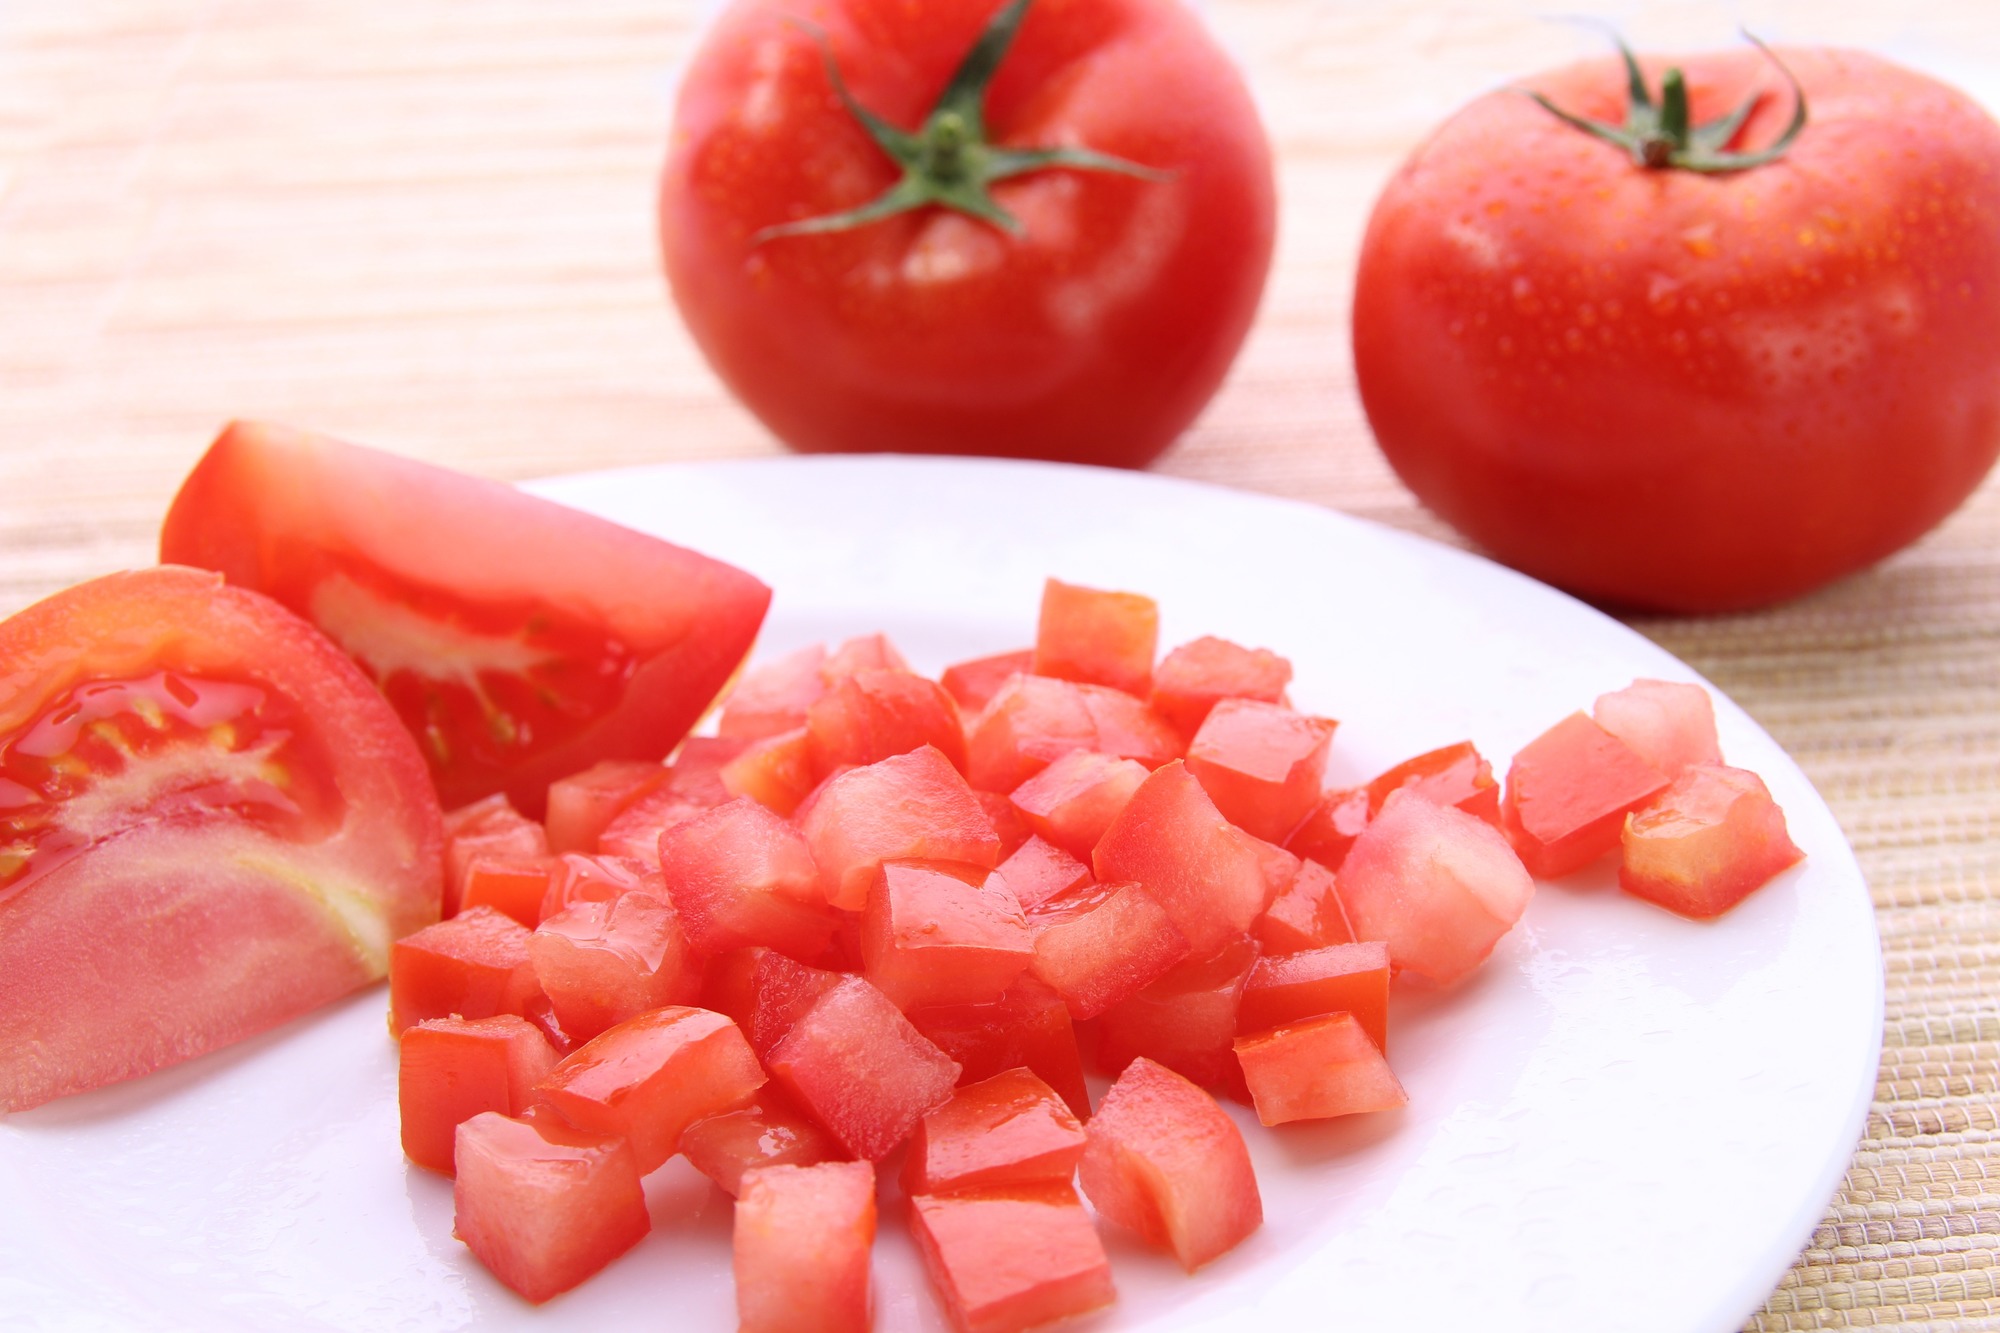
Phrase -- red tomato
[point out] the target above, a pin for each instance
(209, 823)
(521, 641)
(1094, 332)
(1684, 391)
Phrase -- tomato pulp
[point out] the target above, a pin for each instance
(1682, 391)
(1094, 333)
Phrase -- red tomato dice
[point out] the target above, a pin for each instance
(1007, 1260)
(1011, 1129)
(1307, 915)
(1452, 775)
(1100, 944)
(1707, 843)
(1666, 723)
(514, 885)
(1568, 792)
(775, 771)
(1437, 885)
(694, 784)
(486, 828)
(1329, 831)
(872, 715)
(1097, 638)
(1027, 1028)
(542, 1205)
(1349, 978)
(582, 805)
(1164, 1160)
(1034, 720)
(1008, 826)
(765, 992)
(973, 684)
(1186, 1020)
(740, 876)
(912, 807)
(935, 932)
(861, 1069)
(769, 1132)
(520, 640)
(651, 1077)
(1072, 801)
(801, 1248)
(475, 965)
(1206, 872)
(1037, 871)
(1315, 1069)
(1194, 677)
(773, 696)
(597, 879)
(450, 1069)
(601, 963)
(1261, 764)
(864, 652)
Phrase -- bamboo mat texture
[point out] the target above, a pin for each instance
(427, 225)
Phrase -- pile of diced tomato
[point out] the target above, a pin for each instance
(878, 914)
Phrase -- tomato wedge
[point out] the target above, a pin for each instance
(210, 823)
(519, 640)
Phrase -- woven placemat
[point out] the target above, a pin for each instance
(426, 224)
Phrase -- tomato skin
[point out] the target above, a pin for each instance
(1687, 392)
(1095, 335)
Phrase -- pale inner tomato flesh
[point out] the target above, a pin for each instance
(112, 756)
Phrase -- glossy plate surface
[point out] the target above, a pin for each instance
(1625, 1121)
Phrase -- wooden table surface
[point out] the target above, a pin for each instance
(426, 224)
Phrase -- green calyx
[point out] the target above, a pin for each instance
(948, 162)
(1659, 133)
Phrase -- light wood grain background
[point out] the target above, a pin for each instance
(426, 224)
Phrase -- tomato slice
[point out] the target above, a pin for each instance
(209, 824)
(519, 640)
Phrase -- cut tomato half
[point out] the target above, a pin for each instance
(519, 640)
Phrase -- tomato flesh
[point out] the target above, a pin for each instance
(1095, 637)
(1453, 775)
(1099, 944)
(861, 1069)
(515, 885)
(1011, 1129)
(1207, 873)
(1027, 1028)
(777, 771)
(1184, 1021)
(1343, 978)
(1306, 915)
(740, 876)
(1196, 676)
(912, 807)
(1328, 832)
(1711, 839)
(1034, 720)
(1009, 1259)
(801, 1247)
(1568, 792)
(451, 1069)
(694, 784)
(1261, 764)
(874, 714)
(1315, 1069)
(583, 804)
(773, 696)
(1669, 724)
(974, 683)
(1037, 871)
(934, 932)
(601, 963)
(765, 992)
(1072, 801)
(475, 965)
(770, 1132)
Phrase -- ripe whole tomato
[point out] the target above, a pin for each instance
(1076, 313)
(1686, 391)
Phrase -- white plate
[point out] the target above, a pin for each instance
(1624, 1121)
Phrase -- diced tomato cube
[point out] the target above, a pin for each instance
(1280, 870)
(774, 771)
(1707, 843)
(864, 652)
(491, 827)
(741, 876)
(770, 1132)
(1011, 1129)
(1568, 792)
(1034, 720)
(1329, 831)
(861, 1069)
(1027, 1028)
(601, 963)
(1452, 775)
(935, 932)
(1097, 638)
(1072, 801)
(1668, 724)
(451, 1069)
(1345, 978)
(872, 715)
(651, 1077)
(694, 784)
(1186, 1020)
(515, 885)
(1100, 944)
(1315, 1069)
(912, 807)
(1205, 871)
(1196, 676)
(1007, 1260)
(1261, 764)
(765, 992)
(774, 696)
(582, 805)
(1037, 871)
(1165, 1160)
(801, 1248)
(580, 878)
(1437, 885)
(973, 684)
(474, 965)
(1008, 826)
(1307, 915)
(541, 1015)
(542, 1205)
(1126, 726)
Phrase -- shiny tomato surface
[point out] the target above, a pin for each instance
(1684, 391)
(1094, 333)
